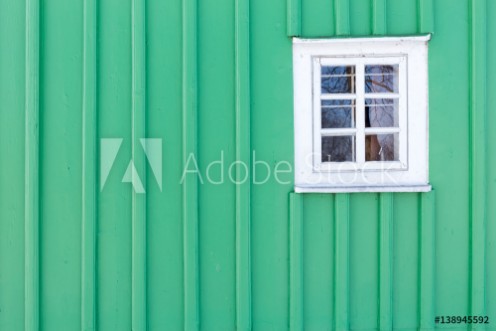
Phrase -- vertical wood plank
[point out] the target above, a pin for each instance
(385, 261)
(379, 26)
(31, 210)
(426, 267)
(89, 166)
(342, 17)
(12, 158)
(478, 168)
(294, 18)
(296, 261)
(243, 178)
(138, 113)
(190, 146)
(341, 261)
(425, 16)
(491, 163)
(427, 219)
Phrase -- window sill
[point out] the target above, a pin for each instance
(363, 189)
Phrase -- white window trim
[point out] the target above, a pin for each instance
(410, 173)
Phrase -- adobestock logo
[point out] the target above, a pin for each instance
(109, 148)
(257, 172)
(215, 172)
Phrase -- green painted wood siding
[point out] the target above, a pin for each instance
(212, 77)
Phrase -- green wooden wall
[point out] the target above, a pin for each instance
(212, 77)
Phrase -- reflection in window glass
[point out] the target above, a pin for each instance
(381, 78)
(381, 113)
(382, 147)
(338, 79)
(338, 149)
(338, 114)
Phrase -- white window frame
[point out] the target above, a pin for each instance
(410, 172)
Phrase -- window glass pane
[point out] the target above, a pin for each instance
(338, 79)
(381, 78)
(381, 113)
(338, 114)
(338, 149)
(382, 147)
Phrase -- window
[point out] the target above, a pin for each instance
(361, 114)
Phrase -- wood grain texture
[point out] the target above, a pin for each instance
(32, 143)
(190, 148)
(243, 156)
(379, 25)
(478, 155)
(89, 169)
(342, 17)
(294, 18)
(426, 265)
(138, 118)
(296, 261)
(386, 261)
(341, 262)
